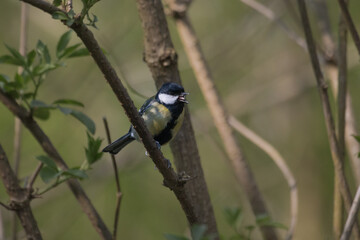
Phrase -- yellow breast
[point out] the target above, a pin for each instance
(156, 118)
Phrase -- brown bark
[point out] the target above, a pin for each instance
(49, 148)
(161, 58)
(19, 199)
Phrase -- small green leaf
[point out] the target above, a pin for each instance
(92, 151)
(63, 42)
(30, 57)
(82, 52)
(90, 125)
(357, 138)
(233, 215)
(198, 231)
(43, 51)
(47, 174)
(57, 2)
(76, 173)
(59, 15)
(175, 237)
(41, 113)
(69, 101)
(68, 51)
(7, 59)
(43, 68)
(39, 104)
(264, 220)
(47, 161)
(16, 55)
(19, 80)
(64, 110)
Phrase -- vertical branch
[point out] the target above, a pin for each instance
(19, 198)
(219, 114)
(334, 146)
(2, 232)
(350, 23)
(118, 188)
(17, 122)
(352, 216)
(161, 58)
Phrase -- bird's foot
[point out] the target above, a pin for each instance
(158, 146)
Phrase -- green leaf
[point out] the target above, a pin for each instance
(90, 125)
(19, 80)
(57, 2)
(62, 44)
(69, 101)
(198, 231)
(7, 59)
(357, 138)
(43, 68)
(175, 237)
(39, 104)
(76, 173)
(4, 78)
(47, 161)
(68, 51)
(82, 52)
(60, 15)
(30, 57)
(92, 151)
(15, 53)
(41, 113)
(47, 174)
(43, 51)
(64, 110)
(233, 215)
(264, 220)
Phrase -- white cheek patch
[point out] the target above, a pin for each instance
(167, 99)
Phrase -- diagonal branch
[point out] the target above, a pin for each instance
(334, 146)
(49, 148)
(19, 198)
(352, 216)
(171, 179)
(220, 117)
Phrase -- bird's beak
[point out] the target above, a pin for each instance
(182, 97)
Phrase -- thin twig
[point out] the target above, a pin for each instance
(350, 24)
(5, 206)
(269, 14)
(17, 122)
(219, 114)
(334, 146)
(351, 217)
(117, 180)
(2, 231)
(19, 198)
(34, 176)
(50, 150)
(280, 163)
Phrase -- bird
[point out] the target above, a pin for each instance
(163, 115)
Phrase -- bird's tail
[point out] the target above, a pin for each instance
(119, 144)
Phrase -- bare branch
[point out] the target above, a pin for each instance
(161, 58)
(49, 148)
(350, 221)
(280, 163)
(118, 188)
(19, 197)
(350, 23)
(334, 146)
(34, 176)
(220, 117)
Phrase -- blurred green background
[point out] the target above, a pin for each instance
(264, 78)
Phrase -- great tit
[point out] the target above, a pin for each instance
(163, 115)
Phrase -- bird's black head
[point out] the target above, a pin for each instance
(171, 93)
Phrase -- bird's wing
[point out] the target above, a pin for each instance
(146, 105)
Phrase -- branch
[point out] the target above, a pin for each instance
(34, 176)
(171, 179)
(350, 221)
(220, 118)
(280, 163)
(20, 202)
(334, 147)
(118, 188)
(350, 23)
(161, 59)
(49, 148)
